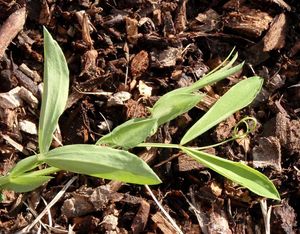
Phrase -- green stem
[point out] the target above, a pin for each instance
(214, 145)
(45, 171)
(159, 145)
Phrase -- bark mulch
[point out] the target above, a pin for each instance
(122, 56)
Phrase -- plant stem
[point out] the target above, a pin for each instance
(159, 145)
(45, 171)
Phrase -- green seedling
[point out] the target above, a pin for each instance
(98, 161)
(110, 158)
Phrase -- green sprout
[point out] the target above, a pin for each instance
(109, 158)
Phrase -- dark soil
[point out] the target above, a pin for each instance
(122, 56)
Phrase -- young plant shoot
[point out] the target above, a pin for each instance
(110, 158)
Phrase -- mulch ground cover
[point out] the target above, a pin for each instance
(122, 56)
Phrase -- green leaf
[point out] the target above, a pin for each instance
(173, 106)
(25, 183)
(214, 76)
(239, 96)
(55, 91)
(130, 133)
(103, 162)
(237, 172)
(24, 165)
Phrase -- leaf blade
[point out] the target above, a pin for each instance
(237, 172)
(173, 106)
(103, 162)
(55, 93)
(25, 183)
(239, 96)
(130, 133)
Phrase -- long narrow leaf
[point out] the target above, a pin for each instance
(174, 106)
(24, 165)
(212, 77)
(103, 162)
(237, 172)
(25, 183)
(55, 91)
(130, 133)
(239, 96)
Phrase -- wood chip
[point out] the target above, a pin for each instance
(166, 58)
(11, 99)
(267, 153)
(186, 163)
(144, 90)
(181, 20)
(248, 21)
(132, 30)
(163, 225)
(10, 28)
(282, 4)
(28, 97)
(31, 73)
(218, 221)
(275, 37)
(140, 220)
(15, 144)
(139, 64)
(28, 127)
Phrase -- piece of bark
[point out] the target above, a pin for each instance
(267, 153)
(28, 97)
(88, 63)
(181, 20)
(140, 220)
(28, 127)
(165, 58)
(224, 129)
(139, 64)
(218, 221)
(248, 21)
(169, 28)
(275, 37)
(162, 224)
(295, 49)
(86, 200)
(293, 143)
(30, 73)
(10, 28)
(86, 30)
(132, 30)
(287, 131)
(9, 117)
(45, 13)
(282, 4)
(25, 81)
(15, 144)
(186, 163)
(118, 98)
(284, 218)
(206, 21)
(11, 99)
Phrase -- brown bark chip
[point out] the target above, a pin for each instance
(287, 131)
(284, 218)
(141, 218)
(139, 64)
(267, 153)
(162, 224)
(275, 37)
(249, 22)
(11, 27)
